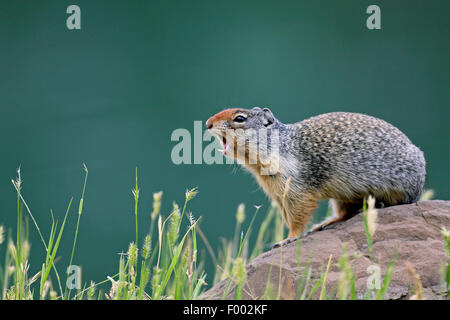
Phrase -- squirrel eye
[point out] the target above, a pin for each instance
(239, 119)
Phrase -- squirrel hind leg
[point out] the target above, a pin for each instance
(342, 210)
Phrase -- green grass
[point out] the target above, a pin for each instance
(166, 265)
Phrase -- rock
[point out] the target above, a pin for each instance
(414, 230)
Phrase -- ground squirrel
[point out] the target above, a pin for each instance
(340, 156)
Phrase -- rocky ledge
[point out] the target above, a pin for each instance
(413, 231)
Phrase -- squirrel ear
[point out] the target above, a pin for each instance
(267, 117)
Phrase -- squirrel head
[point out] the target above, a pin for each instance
(238, 118)
(239, 131)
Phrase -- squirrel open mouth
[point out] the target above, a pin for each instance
(220, 135)
(224, 144)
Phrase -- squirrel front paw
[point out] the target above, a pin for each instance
(282, 243)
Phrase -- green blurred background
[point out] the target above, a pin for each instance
(111, 94)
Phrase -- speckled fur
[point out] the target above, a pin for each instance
(339, 156)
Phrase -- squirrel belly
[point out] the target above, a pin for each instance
(341, 156)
